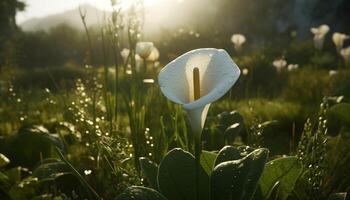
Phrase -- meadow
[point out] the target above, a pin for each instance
(108, 113)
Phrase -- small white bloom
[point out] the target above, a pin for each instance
(333, 72)
(345, 53)
(209, 73)
(87, 172)
(238, 40)
(156, 64)
(279, 64)
(154, 56)
(292, 67)
(319, 35)
(144, 49)
(148, 80)
(338, 39)
(125, 54)
(245, 71)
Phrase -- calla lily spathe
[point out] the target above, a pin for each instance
(238, 40)
(217, 74)
(345, 52)
(333, 72)
(319, 35)
(292, 67)
(338, 39)
(154, 56)
(144, 49)
(125, 54)
(279, 64)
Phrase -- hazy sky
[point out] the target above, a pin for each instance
(40, 8)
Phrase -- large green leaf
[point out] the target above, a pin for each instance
(176, 177)
(284, 171)
(30, 145)
(3, 160)
(50, 170)
(207, 161)
(150, 171)
(227, 153)
(140, 193)
(237, 179)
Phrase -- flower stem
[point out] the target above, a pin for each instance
(198, 150)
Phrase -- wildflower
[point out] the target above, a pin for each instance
(338, 39)
(279, 64)
(292, 67)
(245, 72)
(125, 54)
(196, 79)
(144, 49)
(333, 72)
(319, 35)
(154, 56)
(238, 40)
(345, 52)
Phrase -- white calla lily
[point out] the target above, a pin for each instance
(345, 52)
(279, 64)
(338, 39)
(125, 54)
(238, 40)
(196, 79)
(292, 67)
(319, 35)
(154, 56)
(144, 49)
(333, 72)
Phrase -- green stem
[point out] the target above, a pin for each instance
(144, 66)
(198, 150)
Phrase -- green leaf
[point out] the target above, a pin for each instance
(228, 118)
(3, 160)
(207, 161)
(285, 171)
(90, 191)
(338, 196)
(227, 153)
(237, 179)
(30, 145)
(341, 112)
(50, 170)
(150, 171)
(140, 193)
(176, 177)
(14, 174)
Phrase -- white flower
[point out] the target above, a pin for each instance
(238, 40)
(148, 80)
(279, 64)
(338, 39)
(319, 34)
(154, 56)
(156, 64)
(125, 54)
(292, 67)
(345, 52)
(196, 79)
(144, 49)
(333, 72)
(245, 71)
